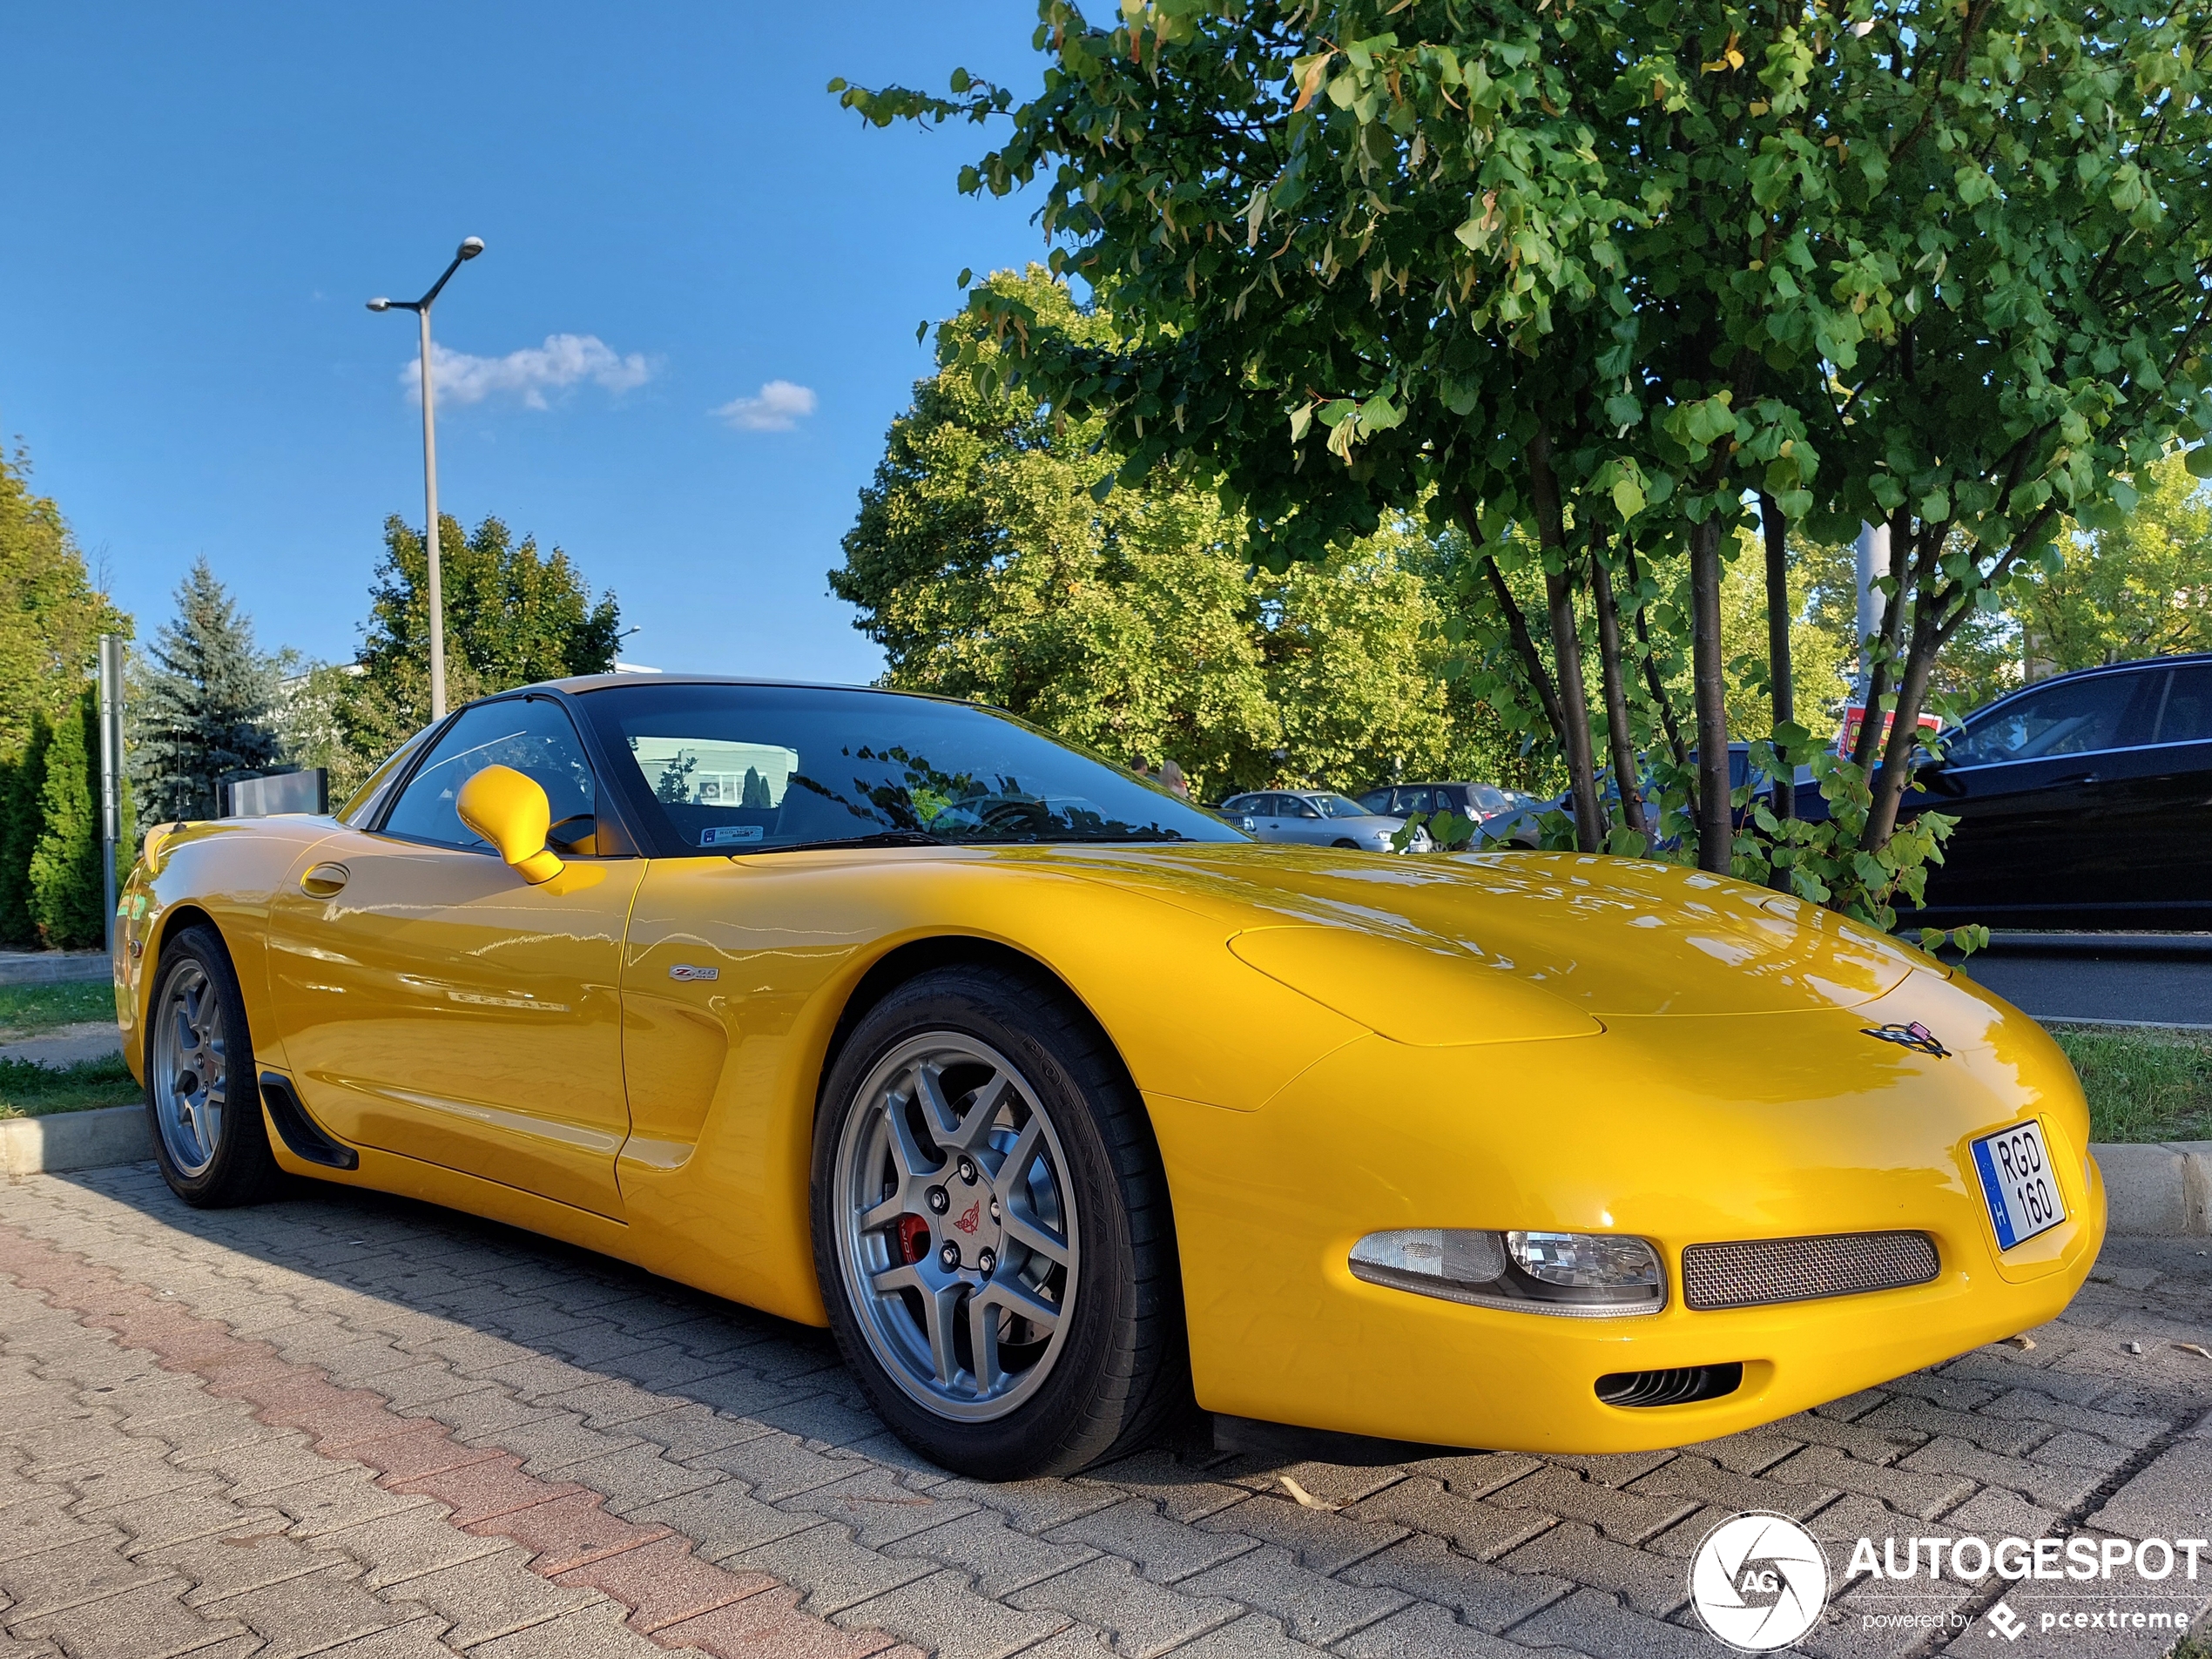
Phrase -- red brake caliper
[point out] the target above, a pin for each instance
(913, 1238)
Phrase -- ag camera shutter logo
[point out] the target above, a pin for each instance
(1758, 1582)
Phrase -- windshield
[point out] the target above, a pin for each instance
(1337, 807)
(750, 768)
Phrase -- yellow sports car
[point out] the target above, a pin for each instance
(1065, 1105)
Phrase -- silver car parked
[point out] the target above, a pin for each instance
(1314, 818)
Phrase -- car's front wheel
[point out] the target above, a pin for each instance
(202, 1095)
(991, 1229)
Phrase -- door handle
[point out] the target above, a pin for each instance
(325, 880)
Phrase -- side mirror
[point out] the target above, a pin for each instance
(1937, 781)
(1250, 822)
(509, 810)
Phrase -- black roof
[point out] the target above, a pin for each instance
(2134, 664)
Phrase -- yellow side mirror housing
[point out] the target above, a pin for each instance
(509, 809)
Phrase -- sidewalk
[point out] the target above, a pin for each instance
(348, 1424)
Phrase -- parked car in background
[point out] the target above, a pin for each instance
(1310, 817)
(2084, 799)
(1522, 828)
(1477, 801)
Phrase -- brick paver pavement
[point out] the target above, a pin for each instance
(348, 1424)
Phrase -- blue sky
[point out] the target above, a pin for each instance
(200, 200)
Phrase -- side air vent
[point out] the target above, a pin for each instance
(303, 1137)
(1759, 1272)
(1679, 1386)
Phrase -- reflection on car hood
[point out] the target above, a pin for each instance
(1615, 936)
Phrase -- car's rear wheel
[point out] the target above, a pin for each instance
(992, 1230)
(201, 1092)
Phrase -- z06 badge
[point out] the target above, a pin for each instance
(1915, 1036)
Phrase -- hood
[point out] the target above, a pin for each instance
(1616, 937)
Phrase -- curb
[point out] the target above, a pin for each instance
(66, 1141)
(2151, 1191)
(54, 967)
(2158, 1191)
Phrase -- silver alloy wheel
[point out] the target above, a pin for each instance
(190, 1073)
(956, 1227)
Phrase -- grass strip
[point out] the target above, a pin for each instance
(27, 1009)
(2142, 1085)
(28, 1089)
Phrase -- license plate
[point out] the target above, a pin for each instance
(2016, 1179)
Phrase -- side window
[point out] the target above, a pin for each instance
(2187, 717)
(1305, 808)
(530, 734)
(2078, 717)
(361, 808)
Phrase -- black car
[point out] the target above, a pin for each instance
(2083, 800)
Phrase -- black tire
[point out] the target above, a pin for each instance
(1122, 1370)
(195, 972)
(1349, 847)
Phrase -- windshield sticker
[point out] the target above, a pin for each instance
(729, 834)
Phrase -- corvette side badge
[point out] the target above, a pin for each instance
(685, 971)
(1915, 1036)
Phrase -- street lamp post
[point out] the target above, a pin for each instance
(469, 250)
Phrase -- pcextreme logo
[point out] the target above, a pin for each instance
(1758, 1582)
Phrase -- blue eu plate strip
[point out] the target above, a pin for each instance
(1999, 1211)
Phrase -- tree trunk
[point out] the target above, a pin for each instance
(1567, 645)
(1625, 772)
(1912, 690)
(1879, 676)
(1716, 830)
(1777, 650)
(1651, 678)
(1524, 647)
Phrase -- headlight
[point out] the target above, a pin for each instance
(1579, 1276)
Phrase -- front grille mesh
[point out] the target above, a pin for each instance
(1762, 1270)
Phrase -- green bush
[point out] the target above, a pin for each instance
(68, 905)
(23, 781)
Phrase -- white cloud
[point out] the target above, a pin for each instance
(529, 373)
(780, 406)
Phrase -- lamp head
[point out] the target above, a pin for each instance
(380, 304)
(472, 246)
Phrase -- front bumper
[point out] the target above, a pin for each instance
(1802, 1127)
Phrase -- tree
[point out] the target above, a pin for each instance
(1821, 658)
(1598, 272)
(992, 559)
(203, 711)
(512, 617)
(2137, 588)
(51, 616)
(2037, 232)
